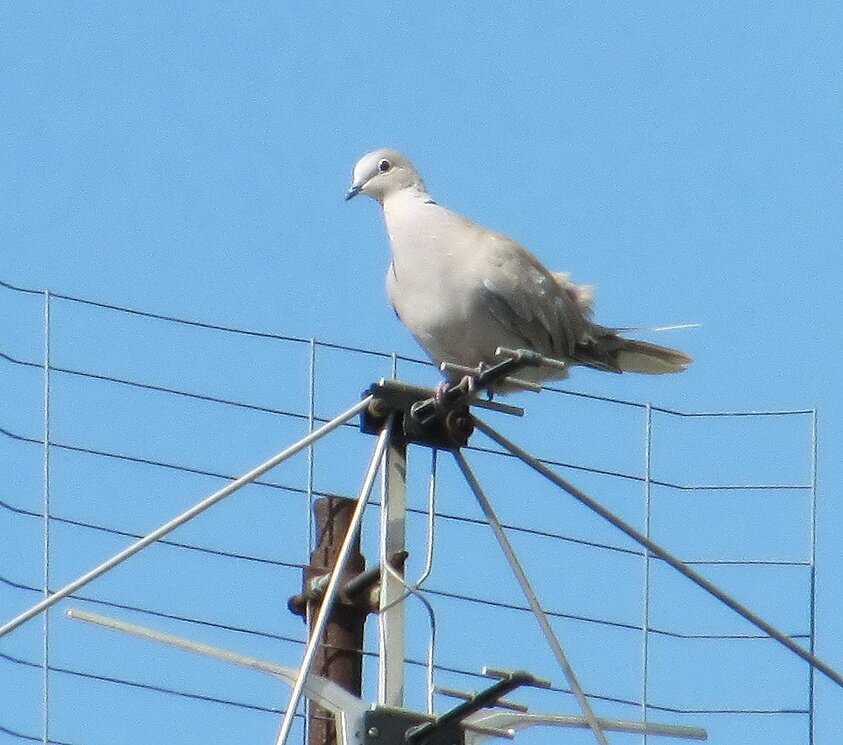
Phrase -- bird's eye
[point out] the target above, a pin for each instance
(384, 165)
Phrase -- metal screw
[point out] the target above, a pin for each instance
(373, 732)
(378, 409)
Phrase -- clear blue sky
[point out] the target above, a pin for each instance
(683, 158)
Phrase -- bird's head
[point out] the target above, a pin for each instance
(381, 173)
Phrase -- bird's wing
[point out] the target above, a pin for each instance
(529, 301)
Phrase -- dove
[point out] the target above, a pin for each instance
(464, 291)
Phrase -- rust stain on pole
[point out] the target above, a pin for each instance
(340, 656)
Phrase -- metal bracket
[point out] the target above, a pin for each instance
(421, 420)
(441, 418)
(450, 431)
(385, 725)
(357, 592)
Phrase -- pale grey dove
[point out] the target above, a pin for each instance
(463, 291)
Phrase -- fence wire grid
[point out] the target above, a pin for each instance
(118, 419)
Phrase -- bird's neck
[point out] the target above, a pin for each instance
(405, 211)
(406, 198)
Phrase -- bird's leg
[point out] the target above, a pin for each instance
(466, 388)
(468, 385)
(482, 367)
(439, 396)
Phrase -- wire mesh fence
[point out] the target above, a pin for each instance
(119, 419)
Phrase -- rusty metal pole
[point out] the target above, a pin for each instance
(340, 655)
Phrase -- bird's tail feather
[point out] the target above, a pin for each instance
(632, 355)
(651, 329)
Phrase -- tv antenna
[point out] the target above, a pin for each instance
(402, 415)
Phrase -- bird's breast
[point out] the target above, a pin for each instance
(428, 285)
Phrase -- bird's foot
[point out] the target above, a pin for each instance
(467, 388)
(440, 394)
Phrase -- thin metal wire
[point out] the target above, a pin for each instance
(205, 325)
(532, 599)
(640, 478)
(183, 518)
(29, 738)
(431, 615)
(645, 621)
(164, 541)
(673, 412)
(386, 355)
(598, 621)
(428, 568)
(658, 551)
(333, 583)
(156, 388)
(443, 593)
(733, 414)
(56, 445)
(748, 562)
(453, 596)
(45, 629)
(813, 578)
(546, 461)
(431, 517)
(311, 538)
(311, 420)
(146, 686)
(317, 493)
(416, 588)
(181, 321)
(444, 668)
(18, 288)
(394, 357)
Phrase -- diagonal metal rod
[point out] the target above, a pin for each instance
(333, 584)
(661, 553)
(538, 611)
(159, 533)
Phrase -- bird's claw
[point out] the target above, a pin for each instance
(440, 394)
(466, 388)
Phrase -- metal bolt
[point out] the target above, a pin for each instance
(378, 409)
(373, 732)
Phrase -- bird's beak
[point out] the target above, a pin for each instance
(352, 192)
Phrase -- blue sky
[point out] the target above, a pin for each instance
(683, 158)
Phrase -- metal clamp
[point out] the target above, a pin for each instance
(358, 591)
(441, 419)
